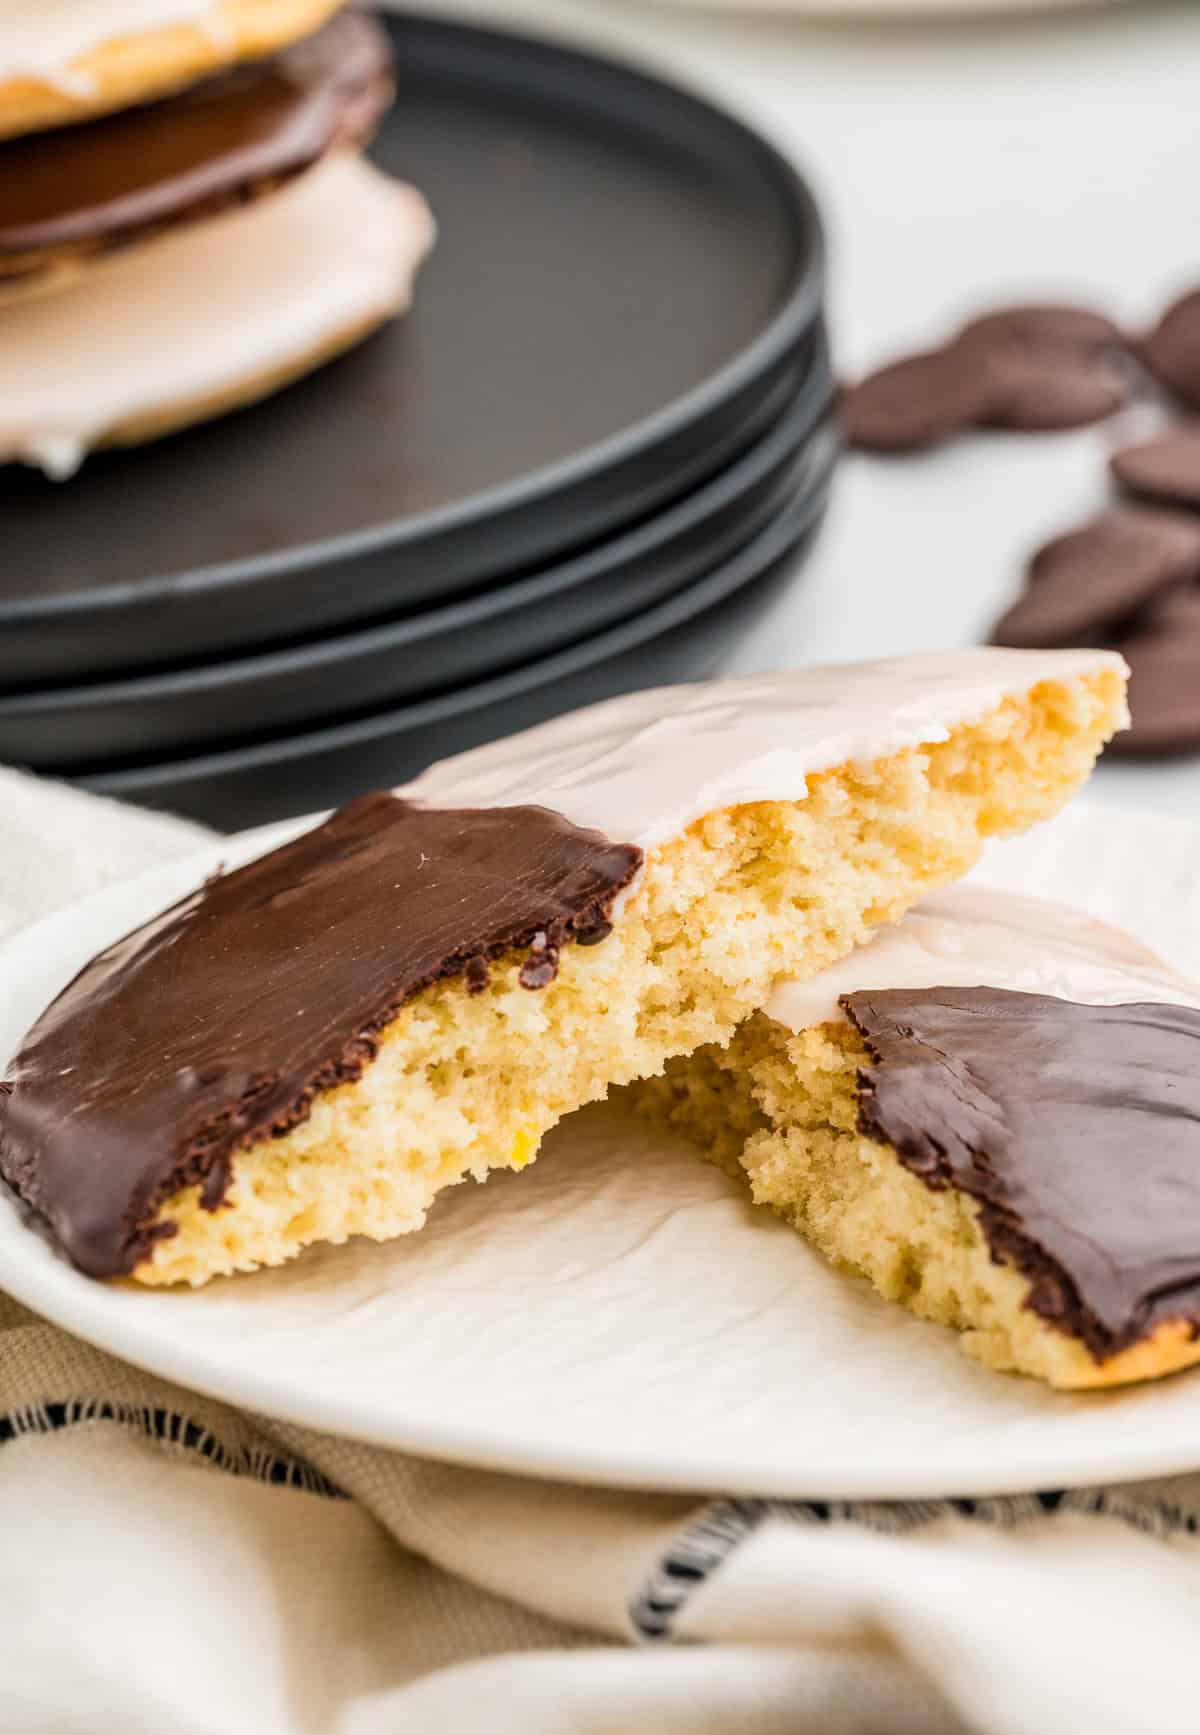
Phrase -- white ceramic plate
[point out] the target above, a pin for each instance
(618, 1313)
(898, 9)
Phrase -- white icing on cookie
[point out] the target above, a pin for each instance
(41, 39)
(206, 309)
(969, 937)
(642, 767)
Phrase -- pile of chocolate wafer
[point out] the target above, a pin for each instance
(1129, 579)
(187, 222)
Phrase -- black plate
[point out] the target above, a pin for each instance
(441, 650)
(685, 638)
(623, 274)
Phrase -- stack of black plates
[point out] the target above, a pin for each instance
(585, 462)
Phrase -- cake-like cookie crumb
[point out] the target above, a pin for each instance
(1017, 1165)
(417, 992)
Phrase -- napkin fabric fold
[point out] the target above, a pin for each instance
(171, 1566)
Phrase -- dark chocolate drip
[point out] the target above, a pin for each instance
(208, 147)
(213, 1027)
(1075, 1128)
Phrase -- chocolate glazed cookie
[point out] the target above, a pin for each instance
(75, 194)
(220, 1021)
(1075, 1129)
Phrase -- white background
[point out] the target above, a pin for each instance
(959, 162)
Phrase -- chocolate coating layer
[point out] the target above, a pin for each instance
(109, 181)
(213, 1027)
(1075, 1128)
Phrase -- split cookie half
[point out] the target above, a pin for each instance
(992, 1112)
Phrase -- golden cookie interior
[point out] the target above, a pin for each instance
(992, 1112)
(414, 992)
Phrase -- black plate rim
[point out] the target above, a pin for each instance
(768, 351)
(805, 420)
(770, 546)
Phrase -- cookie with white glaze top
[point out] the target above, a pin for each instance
(209, 316)
(414, 992)
(75, 195)
(70, 60)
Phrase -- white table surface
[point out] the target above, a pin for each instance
(958, 162)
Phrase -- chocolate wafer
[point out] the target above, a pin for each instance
(1100, 575)
(1172, 351)
(1166, 468)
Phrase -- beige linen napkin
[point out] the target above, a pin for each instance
(169, 1566)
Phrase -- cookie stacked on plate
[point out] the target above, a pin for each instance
(187, 223)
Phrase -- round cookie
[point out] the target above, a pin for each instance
(209, 316)
(77, 193)
(72, 59)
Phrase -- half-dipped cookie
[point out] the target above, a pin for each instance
(209, 316)
(68, 60)
(315, 1045)
(75, 194)
(993, 1113)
